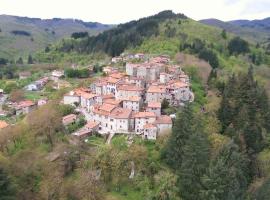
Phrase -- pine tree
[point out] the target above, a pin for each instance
(19, 61)
(30, 60)
(193, 168)
(182, 129)
(227, 175)
(228, 108)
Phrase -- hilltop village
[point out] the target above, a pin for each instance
(130, 101)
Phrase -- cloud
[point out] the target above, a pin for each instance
(258, 6)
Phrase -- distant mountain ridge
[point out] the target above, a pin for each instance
(263, 24)
(21, 36)
(255, 30)
(57, 21)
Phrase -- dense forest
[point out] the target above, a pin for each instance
(116, 40)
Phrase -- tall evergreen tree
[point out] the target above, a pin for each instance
(193, 167)
(19, 61)
(182, 129)
(30, 60)
(244, 115)
(227, 175)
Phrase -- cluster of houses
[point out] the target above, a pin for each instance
(130, 102)
(126, 57)
(37, 85)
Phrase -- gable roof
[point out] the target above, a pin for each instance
(163, 119)
(121, 113)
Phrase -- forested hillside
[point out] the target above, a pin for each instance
(250, 32)
(218, 148)
(20, 36)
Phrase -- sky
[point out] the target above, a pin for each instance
(120, 11)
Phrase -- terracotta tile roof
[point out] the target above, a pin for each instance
(144, 115)
(78, 91)
(99, 111)
(91, 124)
(117, 75)
(3, 124)
(24, 104)
(128, 87)
(104, 109)
(87, 95)
(107, 96)
(112, 101)
(69, 118)
(121, 113)
(107, 107)
(156, 89)
(163, 119)
(154, 104)
(177, 84)
(112, 80)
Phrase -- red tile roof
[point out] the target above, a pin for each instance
(154, 104)
(91, 124)
(112, 101)
(24, 104)
(156, 89)
(144, 115)
(87, 95)
(128, 87)
(69, 118)
(117, 75)
(163, 119)
(121, 113)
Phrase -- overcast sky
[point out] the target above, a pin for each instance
(119, 11)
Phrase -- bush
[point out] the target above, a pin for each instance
(238, 46)
(209, 56)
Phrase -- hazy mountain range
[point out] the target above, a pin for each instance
(254, 30)
(20, 36)
(23, 35)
